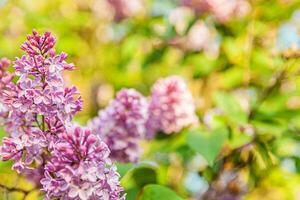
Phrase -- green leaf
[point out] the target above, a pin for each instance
(231, 108)
(136, 174)
(158, 192)
(202, 65)
(234, 49)
(132, 193)
(5, 165)
(154, 56)
(232, 77)
(239, 139)
(123, 168)
(2, 133)
(143, 176)
(208, 144)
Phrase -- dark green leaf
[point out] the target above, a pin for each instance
(158, 192)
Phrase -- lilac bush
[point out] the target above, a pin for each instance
(171, 106)
(71, 162)
(122, 125)
(67, 161)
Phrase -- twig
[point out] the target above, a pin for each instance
(268, 91)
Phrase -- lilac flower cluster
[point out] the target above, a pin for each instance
(41, 141)
(171, 106)
(222, 10)
(130, 118)
(78, 168)
(122, 125)
(37, 97)
(5, 79)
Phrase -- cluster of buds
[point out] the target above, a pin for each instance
(38, 118)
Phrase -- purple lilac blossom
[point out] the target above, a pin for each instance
(37, 96)
(38, 113)
(122, 125)
(5, 79)
(80, 168)
(171, 106)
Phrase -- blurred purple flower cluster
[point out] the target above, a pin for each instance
(171, 106)
(123, 9)
(122, 125)
(5, 79)
(222, 10)
(130, 117)
(42, 139)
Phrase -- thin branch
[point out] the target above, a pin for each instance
(268, 91)
(43, 122)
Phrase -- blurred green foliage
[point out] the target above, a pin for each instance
(247, 96)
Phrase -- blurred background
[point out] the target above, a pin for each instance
(239, 58)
